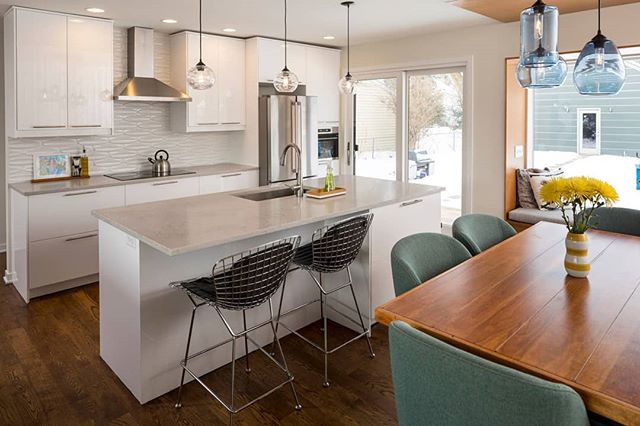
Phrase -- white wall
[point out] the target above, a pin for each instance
(490, 45)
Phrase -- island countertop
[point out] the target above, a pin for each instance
(185, 225)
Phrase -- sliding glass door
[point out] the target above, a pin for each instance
(435, 117)
(376, 129)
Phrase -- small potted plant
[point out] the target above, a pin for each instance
(581, 196)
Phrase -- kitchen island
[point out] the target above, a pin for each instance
(144, 322)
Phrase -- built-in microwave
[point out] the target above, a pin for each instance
(328, 143)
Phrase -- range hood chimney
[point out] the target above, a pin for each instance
(141, 85)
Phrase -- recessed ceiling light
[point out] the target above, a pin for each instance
(229, 30)
(169, 21)
(94, 10)
(329, 37)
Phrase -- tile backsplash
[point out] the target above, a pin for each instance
(141, 128)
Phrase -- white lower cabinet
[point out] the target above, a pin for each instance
(161, 190)
(390, 224)
(63, 259)
(69, 213)
(228, 182)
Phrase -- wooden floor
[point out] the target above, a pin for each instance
(51, 373)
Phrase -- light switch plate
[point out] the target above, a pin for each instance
(519, 151)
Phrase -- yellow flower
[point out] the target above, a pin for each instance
(603, 189)
(554, 191)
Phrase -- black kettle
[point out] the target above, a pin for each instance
(161, 165)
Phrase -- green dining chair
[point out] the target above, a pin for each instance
(420, 257)
(617, 219)
(438, 384)
(479, 232)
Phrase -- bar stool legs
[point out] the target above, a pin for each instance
(186, 353)
(246, 342)
(324, 293)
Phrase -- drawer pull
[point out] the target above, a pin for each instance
(73, 194)
(207, 124)
(165, 183)
(49, 127)
(86, 125)
(84, 237)
(410, 203)
(231, 122)
(232, 175)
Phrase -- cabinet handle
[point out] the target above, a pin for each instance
(84, 237)
(165, 183)
(232, 175)
(73, 194)
(410, 203)
(86, 125)
(207, 124)
(49, 127)
(231, 122)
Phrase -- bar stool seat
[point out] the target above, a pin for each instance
(239, 283)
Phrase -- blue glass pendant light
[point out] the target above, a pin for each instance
(542, 77)
(600, 69)
(539, 35)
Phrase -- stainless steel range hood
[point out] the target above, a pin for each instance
(141, 84)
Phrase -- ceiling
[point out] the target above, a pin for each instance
(509, 11)
(309, 20)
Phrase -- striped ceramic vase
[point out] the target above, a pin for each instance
(576, 262)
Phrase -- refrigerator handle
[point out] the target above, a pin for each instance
(294, 136)
(348, 153)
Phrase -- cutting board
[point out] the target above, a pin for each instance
(320, 193)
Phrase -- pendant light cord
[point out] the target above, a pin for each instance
(200, 30)
(348, 38)
(599, 12)
(285, 35)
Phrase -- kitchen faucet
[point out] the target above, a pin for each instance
(299, 192)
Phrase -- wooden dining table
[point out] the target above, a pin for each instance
(514, 304)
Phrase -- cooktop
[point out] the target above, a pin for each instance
(147, 174)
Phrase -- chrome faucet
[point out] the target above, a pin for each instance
(299, 192)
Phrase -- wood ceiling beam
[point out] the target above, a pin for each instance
(509, 11)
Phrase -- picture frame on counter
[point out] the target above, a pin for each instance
(51, 166)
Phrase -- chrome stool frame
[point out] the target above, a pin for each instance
(333, 249)
(238, 283)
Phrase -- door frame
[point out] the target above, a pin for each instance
(402, 71)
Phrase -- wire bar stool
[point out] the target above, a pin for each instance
(333, 248)
(241, 282)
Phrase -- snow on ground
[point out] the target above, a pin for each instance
(618, 171)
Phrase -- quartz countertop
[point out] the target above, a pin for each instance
(29, 188)
(185, 225)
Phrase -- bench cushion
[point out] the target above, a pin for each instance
(534, 216)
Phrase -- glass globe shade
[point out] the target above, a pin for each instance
(201, 77)
(348, 85)
(542, 77)
(286, 81)
(539, 35)
(600, 69)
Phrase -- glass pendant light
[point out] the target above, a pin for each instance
(201, 77)
(286, 81)
(600, 69)
(347, 84)
(542, 77)
(539, 35)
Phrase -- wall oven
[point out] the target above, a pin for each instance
(328, 143)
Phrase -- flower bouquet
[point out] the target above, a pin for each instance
(582, 196)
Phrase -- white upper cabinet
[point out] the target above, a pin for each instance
(222, 107)
(323, 75)
(231, 79)
(41, 70)
(271, 59)
(90, 59)
(58, 74)
(204, 110)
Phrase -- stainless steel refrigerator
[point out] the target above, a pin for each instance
(284, 120)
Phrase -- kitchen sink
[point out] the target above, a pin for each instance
(267, 195)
